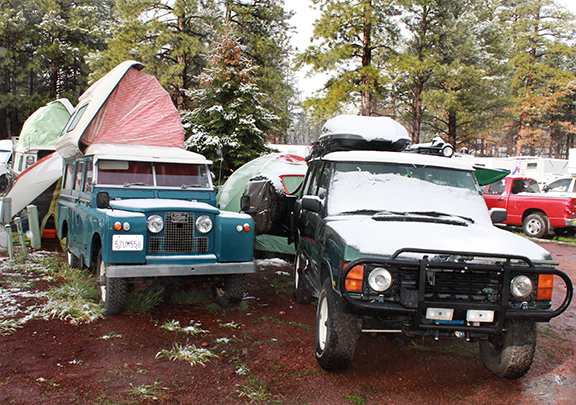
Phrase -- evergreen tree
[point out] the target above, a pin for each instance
(539, 32)
(230, 123)
(352, 34)
(262, 26)
(169, 36)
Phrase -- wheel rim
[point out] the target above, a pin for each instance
(102, 278)
(322, 324)
(534, 227)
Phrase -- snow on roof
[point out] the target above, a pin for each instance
(368, 128)
(398, 158)
(145, 153)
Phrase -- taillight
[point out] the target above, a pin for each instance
(545, 286)
(354, 279)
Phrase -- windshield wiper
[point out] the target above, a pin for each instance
(185, 186)
(360, 212)
(136, 183)
(435, 217)
(437, 214)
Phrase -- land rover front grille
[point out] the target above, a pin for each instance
(178, 236)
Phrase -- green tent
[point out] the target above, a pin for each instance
(44, 126)
(486, 175)
(286, 171)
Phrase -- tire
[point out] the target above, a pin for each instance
(111, 291)
(510, 354)
(301, 294)
(72, 260)
(231, 293)
(336, 332)
(535, 225)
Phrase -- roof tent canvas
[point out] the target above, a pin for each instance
(42, 128)
(126, 106)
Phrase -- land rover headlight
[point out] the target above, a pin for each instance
(380, 279)
(155, 223)
(204, 224)
(521, 286)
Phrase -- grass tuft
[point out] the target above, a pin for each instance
(190, 353)
(139, 302)
(174, 326)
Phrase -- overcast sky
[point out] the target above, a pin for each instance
(304, 19)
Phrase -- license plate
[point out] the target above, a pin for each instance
(127, 242)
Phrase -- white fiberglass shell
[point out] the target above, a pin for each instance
(144, 153)
(367, 128)
(92, 100)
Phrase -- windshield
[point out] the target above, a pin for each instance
(128, 174)
(376, 187)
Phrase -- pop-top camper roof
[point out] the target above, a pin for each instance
(126, 106)
(41, 129)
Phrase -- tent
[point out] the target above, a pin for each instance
(285, 171)
(126, 106)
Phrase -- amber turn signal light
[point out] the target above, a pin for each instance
(354, 279)
(545, 286)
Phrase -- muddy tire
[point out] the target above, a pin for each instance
(301, 294)
(111, 291)
(336, 332)
(535, 225)
(72, 260)
(230, 293)
(510, 354)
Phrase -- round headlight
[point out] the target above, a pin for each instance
(380, 279)
(204, 224)
(155, 223)
(521, 286)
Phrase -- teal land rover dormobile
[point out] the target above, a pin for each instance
(138, 207)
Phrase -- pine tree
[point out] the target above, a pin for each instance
(230, 123)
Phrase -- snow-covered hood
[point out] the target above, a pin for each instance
(158, 204)
(371, 237)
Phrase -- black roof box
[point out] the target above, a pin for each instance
(353, 132)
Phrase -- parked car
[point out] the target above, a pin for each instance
(6, 150)
(537, 213)
(563, 186)
(140, 213)
(402, 244)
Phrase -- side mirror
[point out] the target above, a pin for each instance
(103, 199)
(498, 215)
(245, 203)
(312, 203)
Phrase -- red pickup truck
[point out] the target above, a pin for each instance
(537, 213)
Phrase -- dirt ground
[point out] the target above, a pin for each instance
(265, 355)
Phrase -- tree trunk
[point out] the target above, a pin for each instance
(366, 107)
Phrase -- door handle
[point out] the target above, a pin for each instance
(500, 199)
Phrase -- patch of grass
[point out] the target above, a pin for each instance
(256, 391)
(174, 326)
(8, 326)
(75, 289)
(190, 353)
(121, 371)
(112, 335)
(139, 302)
(18, 282)
(355, 399)
(146, 390)
(75, 310)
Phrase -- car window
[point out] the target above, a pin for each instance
(181, 175)
(312, 172)
(525, 186)
(559, 185)
(89, 177)
(497, 187)
(78, 177)
(124, 173)
(323, 182)
(69, 176)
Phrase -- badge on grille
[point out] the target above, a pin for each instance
(179, 217)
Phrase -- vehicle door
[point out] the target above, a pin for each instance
(495, 194)
(313, 222)
(77, 228)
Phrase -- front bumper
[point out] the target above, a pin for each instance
(571, 223)
(170, 270)
(454, 285)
